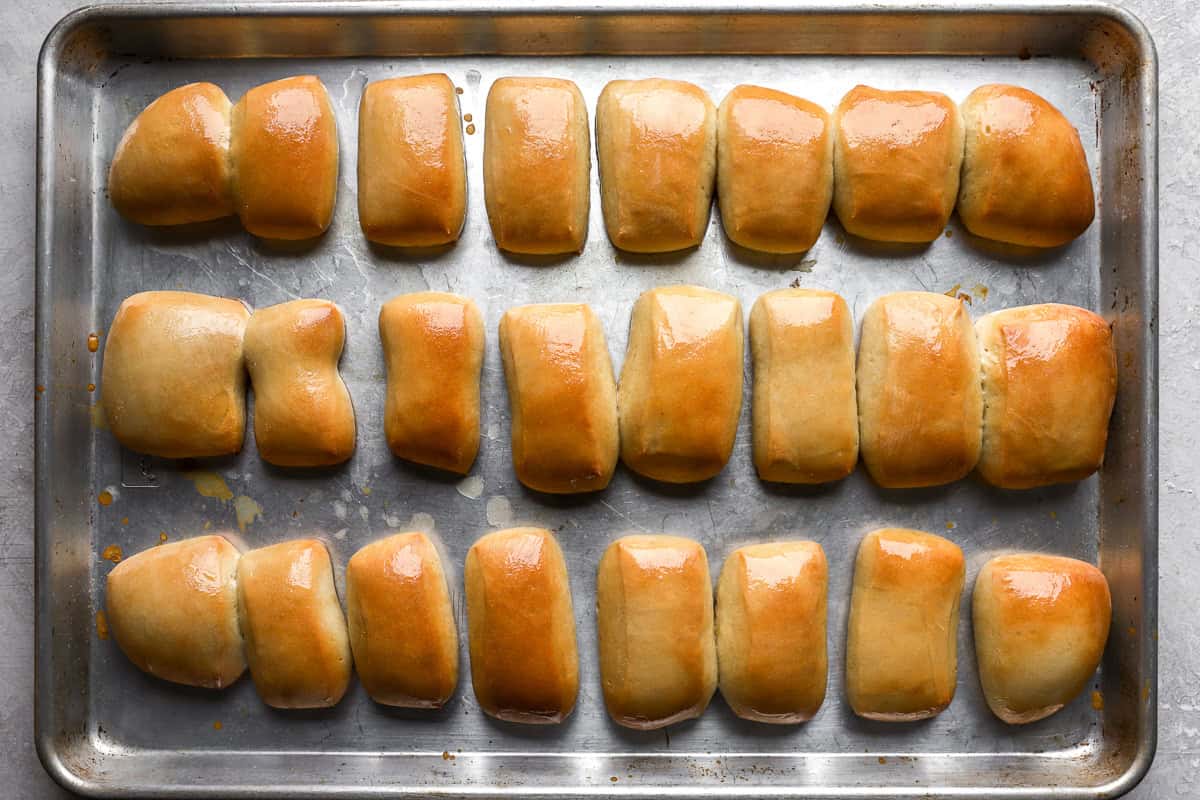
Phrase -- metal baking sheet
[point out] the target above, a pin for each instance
(104, 729)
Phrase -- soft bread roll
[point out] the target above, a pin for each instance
(1025, 176)
(896, 159)
(303, 416)
(1049, 382)
(285, 158)
(412, 174)
(774, 169)
(562, 395)
(537, 165)
(771, 601)
(656, 142)
(1040, 627)
(524, 663)
(804, 411)
(902, 642)
(172, 163)
(173, 611)
(919, 403)
(654, 618)
(173, 381)
(433, 349)
(681, 384)
(296, 642)
(401, 622)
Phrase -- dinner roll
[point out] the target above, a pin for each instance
(804, 412)
(771, 631)
(774, 169)
(681, 385)
(1040, 626)
(401, 622)
(562, 395)
(1049, 381)
(1025, 176)
(303, 416)
(919, 402)
(285, 158)
(412, 173)
(902, 641)
(537, 165)
(896, 158)
(173, 611)
(296, 642)
(524, 663)
(433, 351)
(654, 618)
(173, 380)
(656, 141)
(172, 164)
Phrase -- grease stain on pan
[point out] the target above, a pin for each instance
(499, 511)
(101, 625)
(471, 487)
(247, 511)
(210, 484)
(112, 553)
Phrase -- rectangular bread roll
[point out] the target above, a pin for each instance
(774, 169)
(804, 410)
(656, 142)
(902, 641)
(401, 622)
(771, 650)
(174, 378)
(433, 350)
(537, 165)
(296, 641)
(562, 395)
(524, 661)
(412, 174)
(303, 416)
(681, 385)
(896, 159)
(1049, 383)
(654, 619)
(173, 611)
(920, 406)
(285, 158)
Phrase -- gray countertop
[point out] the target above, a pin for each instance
(1176, 30)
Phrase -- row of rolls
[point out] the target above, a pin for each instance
(893, 165)
(1023, 396)
(199, 611)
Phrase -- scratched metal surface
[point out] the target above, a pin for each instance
(124, 733)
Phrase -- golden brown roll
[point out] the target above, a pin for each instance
(173, 381)
(412, 174)
(774, 169)
(537, 165)
(902, 642)
(681, 385)
(296, 642)
(771, 652)
(656, 142)
(285, 158)
(401, 622)
(303, 416)
(1040, 627)
(172, 164)
(920, 408)
(433, 349)
(524, 663)
(896, 159)
(654, 618)
(1025, 176)
(173, 611)
(1049, 382)
(804, 411)
(562, 395)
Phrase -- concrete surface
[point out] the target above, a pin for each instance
(1175, 26)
